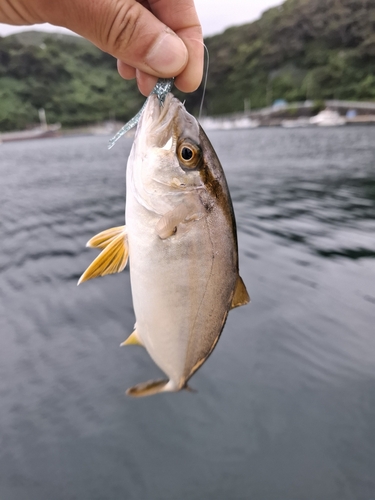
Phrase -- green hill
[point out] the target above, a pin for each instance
(304, 49)
(74, 81)
(315, 49)
(38, 37)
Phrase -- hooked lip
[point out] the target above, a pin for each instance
(159, 123)
(163, 118)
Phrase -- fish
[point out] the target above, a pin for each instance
(181, 240)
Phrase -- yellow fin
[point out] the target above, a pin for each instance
(240, 297)
(111, 260)
(101, 240)
(154, 387)
(147, 388)
(133, 339)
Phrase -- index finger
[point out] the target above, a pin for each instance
(181, 16)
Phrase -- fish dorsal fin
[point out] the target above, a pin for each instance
(240, 297)
(133, 339)
(101, 240)
(147, 388)
(111, 260)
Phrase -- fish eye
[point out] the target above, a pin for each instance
(188, 154)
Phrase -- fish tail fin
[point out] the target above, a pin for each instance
(154, 387)
(148, 388)
(190, 389)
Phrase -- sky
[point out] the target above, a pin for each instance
(215, 15)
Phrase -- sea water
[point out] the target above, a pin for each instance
(285, 408)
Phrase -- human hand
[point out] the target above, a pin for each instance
(150, 38)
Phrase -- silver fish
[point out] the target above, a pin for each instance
(181, 237)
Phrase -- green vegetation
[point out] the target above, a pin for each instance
(74, 81)
(304, 49)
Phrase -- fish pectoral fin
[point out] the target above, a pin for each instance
(111, 260)
(147, 388)
(133, 339)
(189, 210)
(240, 297)
(103, 239)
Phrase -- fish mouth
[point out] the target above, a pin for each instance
(165, 112)
(162, 121)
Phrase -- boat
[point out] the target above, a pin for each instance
(328, 118)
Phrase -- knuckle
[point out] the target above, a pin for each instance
(121, 32)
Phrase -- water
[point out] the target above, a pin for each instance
(285, 408)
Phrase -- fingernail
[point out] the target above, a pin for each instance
(168, 56)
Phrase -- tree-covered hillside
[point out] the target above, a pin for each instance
(314, 49)
(74, 81)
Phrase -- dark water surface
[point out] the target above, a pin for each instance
(285, 408)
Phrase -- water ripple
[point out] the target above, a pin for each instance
(293, 373)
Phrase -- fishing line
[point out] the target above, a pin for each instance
(205, 79)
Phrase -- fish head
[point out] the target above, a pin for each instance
(168, 139)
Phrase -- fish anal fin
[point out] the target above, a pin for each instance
(133, 339)
(101, 240)
(240, 297)
(111, 260)
(147, 388)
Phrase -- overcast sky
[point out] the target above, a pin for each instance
(215, 15)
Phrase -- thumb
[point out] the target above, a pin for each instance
(126, 30)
